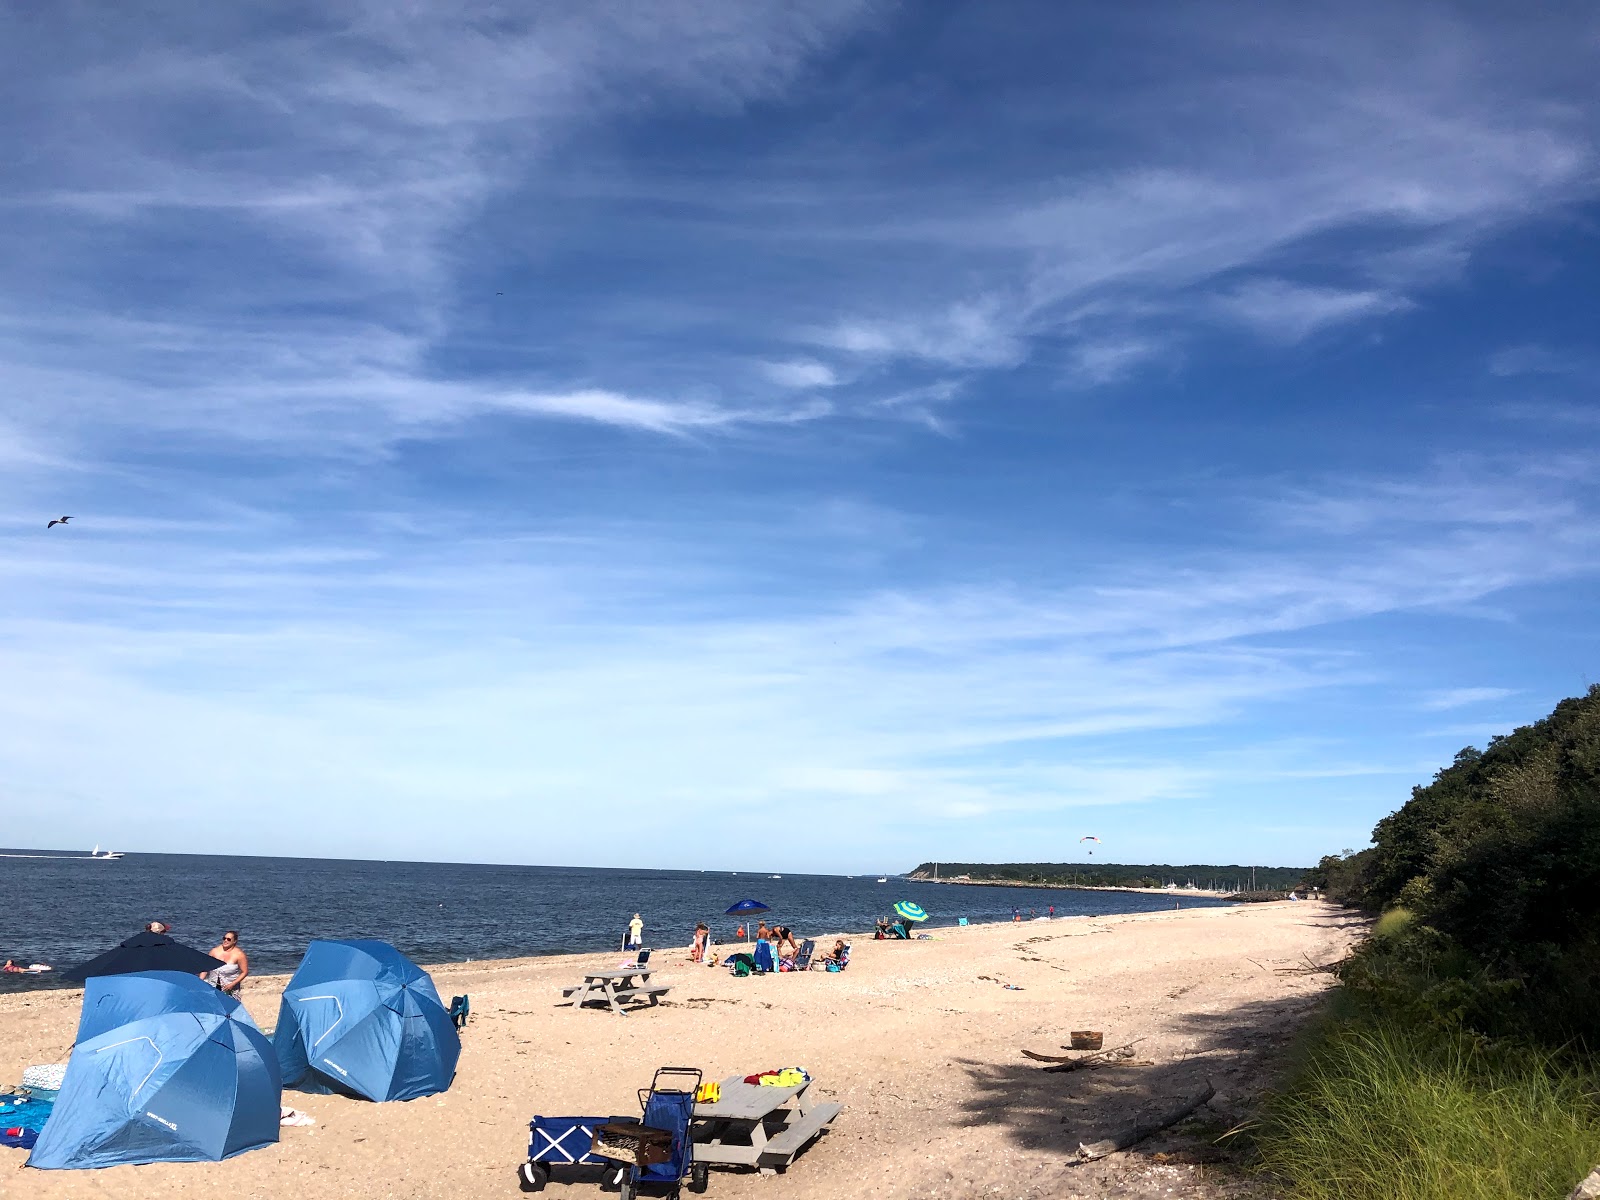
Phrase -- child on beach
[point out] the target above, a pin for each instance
(697, 952)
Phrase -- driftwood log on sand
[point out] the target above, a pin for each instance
(1132, 1134)
(1115, 1056)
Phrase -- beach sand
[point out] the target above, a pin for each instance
(920, 1047)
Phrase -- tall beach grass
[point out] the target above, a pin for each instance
(1377, 1112)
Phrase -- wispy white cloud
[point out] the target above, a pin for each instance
(498, 668)
(801, 373)
(1461, 697)
(1291, 312)
(1541, 360)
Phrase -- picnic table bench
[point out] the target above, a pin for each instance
(614, 987)
(758, 1125)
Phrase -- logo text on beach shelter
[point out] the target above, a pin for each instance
(337, 1067)
(169, 1124)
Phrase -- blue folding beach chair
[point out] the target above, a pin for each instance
(808, 949)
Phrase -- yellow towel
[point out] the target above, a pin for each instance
(708, 1093)
(788, 1077)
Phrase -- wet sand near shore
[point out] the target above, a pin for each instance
(920, 1041)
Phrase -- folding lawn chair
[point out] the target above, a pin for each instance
(802, 961)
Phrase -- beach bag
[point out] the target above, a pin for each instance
(641, 1145)
(835, 967)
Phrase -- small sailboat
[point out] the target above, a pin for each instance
(95, 853)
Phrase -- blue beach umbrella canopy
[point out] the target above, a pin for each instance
(361, 1017)
(165, 1069)
(145, 952)
(910, 911)
(747, 908)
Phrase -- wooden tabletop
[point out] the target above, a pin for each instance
(624, 973)
(743, 1101)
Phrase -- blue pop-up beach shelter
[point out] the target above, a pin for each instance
(364, 1018)
(166, 1069)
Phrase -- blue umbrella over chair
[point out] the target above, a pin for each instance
(364, 1018)
(747, 908)
(166, 1069)
(910, 911)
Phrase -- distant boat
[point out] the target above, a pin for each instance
(97, 854)
(883, 879)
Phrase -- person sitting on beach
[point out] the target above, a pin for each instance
(697, 952)
(839, 955)
(787, 949)
(235, 965)
(881, 930)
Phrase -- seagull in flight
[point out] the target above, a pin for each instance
(58, 521)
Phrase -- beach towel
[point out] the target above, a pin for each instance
(21, 1119)
(764, 958)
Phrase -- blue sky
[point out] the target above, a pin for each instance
(829, 436)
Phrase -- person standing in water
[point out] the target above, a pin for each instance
(235, 966)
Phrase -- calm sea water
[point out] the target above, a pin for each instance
(63, 911)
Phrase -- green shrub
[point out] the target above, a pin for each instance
(1380, 1112)
(1393, 923)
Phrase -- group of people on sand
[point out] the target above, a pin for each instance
(228, 977)
(785, 947)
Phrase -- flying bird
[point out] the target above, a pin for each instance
(58, 521)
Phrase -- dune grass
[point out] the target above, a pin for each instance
(1375, 1112)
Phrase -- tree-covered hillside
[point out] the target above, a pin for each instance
(1099, 874)
(1498, 860)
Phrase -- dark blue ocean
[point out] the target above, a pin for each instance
(63, 911)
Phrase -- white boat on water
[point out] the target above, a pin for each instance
(883, 879)
(96, 854)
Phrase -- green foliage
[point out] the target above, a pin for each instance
(1500, 858)
(1342, 877)
(1461, 1063)
(1381, 1111)
(1394, 923)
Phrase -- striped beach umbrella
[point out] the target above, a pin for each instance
(910, 911)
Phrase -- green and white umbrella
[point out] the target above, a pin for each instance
(910, 911)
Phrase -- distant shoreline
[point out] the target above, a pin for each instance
(1076, 887)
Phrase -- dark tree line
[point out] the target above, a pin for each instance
(1498, 860)
(1100, 874)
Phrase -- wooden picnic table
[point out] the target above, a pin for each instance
(759, 1125)
(624, 983)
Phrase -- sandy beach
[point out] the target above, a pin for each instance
(920, 1041)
